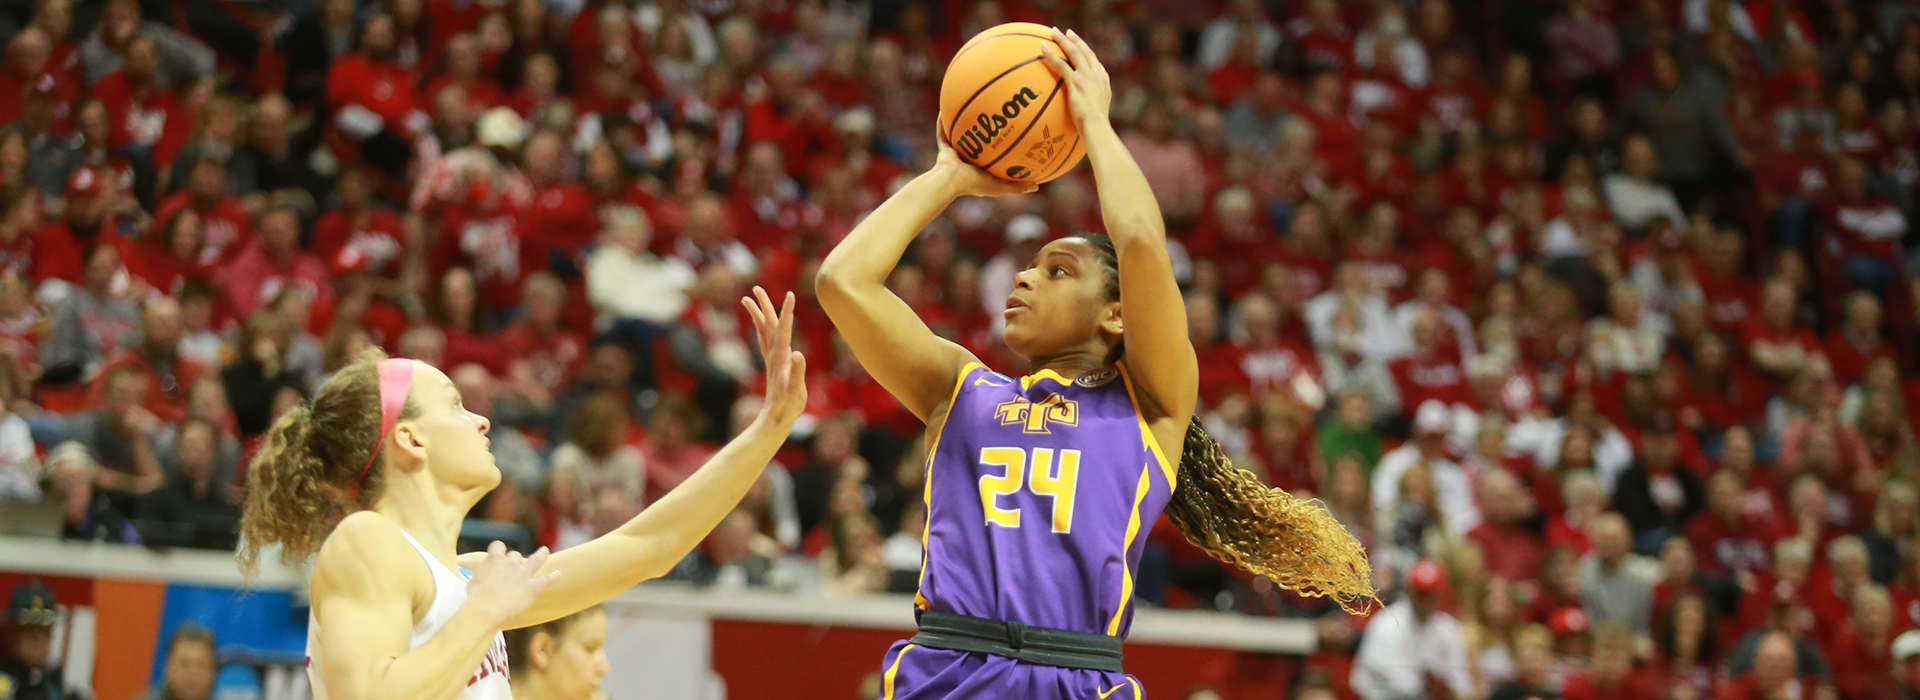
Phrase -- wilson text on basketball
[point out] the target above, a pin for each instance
(987, 126)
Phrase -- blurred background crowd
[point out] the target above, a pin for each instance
(1594, 319)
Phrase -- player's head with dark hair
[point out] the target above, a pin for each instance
(375, 424)
(564, 658)
(1072, 291)
(1067, 301)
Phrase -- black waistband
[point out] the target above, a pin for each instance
(1015, 640)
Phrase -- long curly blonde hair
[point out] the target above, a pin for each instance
(1295, 543)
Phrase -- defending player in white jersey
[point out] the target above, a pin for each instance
(377, 475)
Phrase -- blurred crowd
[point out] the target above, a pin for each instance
(1593, 319)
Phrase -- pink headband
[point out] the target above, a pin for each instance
(396, 380)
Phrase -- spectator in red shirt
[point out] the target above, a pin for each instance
(27, 59)
(706, 238)
(1325, 110)
(146, 115)
(1862, 649)
(1904, 680)
(1272, 360)
(88, 221)
(1238, 239)
(157, 358)
(1773, 676)
(1586, 47)
(275, 262)
(672, 452)
(539, 92)
(1730, 294)
(1869, 229)
(1422, 373)
(226, 226)
(1323, 35)
(788, 113)
(1727, 538)
(546, 355)
(19, 223)
(1454, 102)
(463, 69)
(1512, 551)
(1831, 590)
(1717, 393)
(1610, 675)
(1220, 371)
(1233, 77)
(374, 99)
(361, 230)
(1378, 94)
(561, 221)
(464, 337)
(1687, 647)
(1777, 344)
(1857, 341)
(172, 259)
(838, 80)
(1790, 181)
(1170, 163)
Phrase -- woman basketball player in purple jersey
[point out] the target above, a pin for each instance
(1040, 488)
(388, 445)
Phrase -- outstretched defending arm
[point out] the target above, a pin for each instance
(649, 545)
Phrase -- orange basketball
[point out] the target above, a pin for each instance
(1003, 109)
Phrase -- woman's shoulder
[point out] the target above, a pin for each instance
(366, 561)
(362, 540)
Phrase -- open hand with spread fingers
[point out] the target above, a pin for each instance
(786, 367)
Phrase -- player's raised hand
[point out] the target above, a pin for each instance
(506, 584)
(966, 179)
(1089, 90)
(786, 367)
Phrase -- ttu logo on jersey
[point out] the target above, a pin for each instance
(1038, 418)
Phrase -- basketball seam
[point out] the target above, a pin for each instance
(976, 95)
(1063, 157)
(1030, 122)
(964, 51)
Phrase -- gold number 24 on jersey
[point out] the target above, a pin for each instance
(1040, 474)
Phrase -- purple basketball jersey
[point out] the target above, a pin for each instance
(1040, 493)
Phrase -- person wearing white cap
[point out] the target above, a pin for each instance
(1429, 447)
(1026, 233)
(1906, 669)
(1413, 647)
(447, 178)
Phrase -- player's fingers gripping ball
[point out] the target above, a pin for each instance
(1006, 111)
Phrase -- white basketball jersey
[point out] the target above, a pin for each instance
(489, 681)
